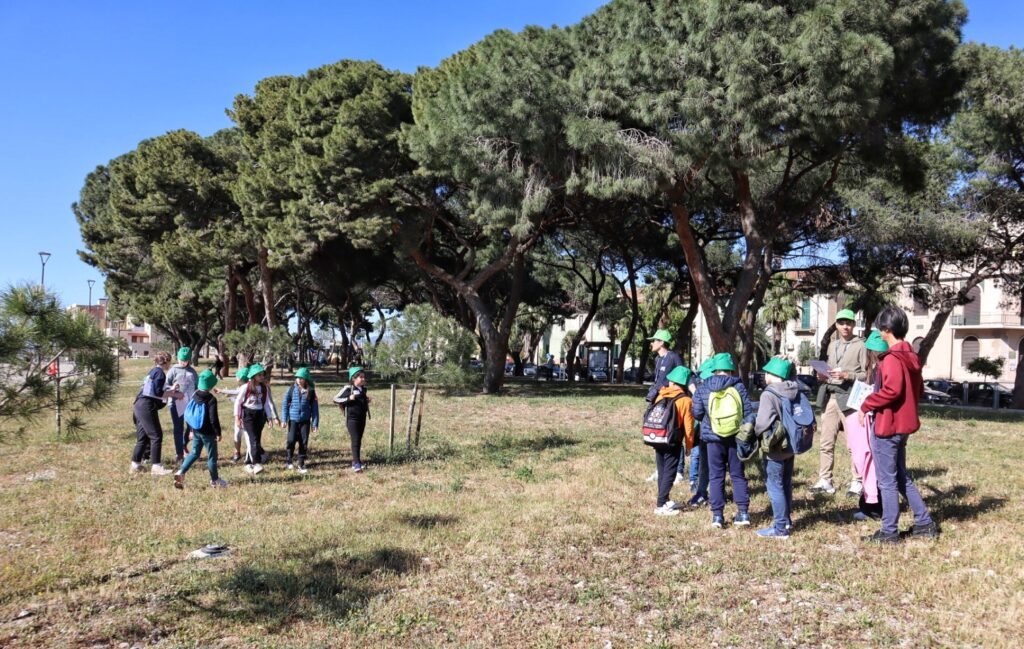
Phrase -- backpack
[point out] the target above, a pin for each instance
(794, 431)
(195, 415)
(725, 409)
(149, 388)
(660, 425)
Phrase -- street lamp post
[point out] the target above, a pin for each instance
(90, 282)
(43, 257)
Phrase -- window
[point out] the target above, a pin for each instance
(969, 350)
(972, 310)
(805, 313)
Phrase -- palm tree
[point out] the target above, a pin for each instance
(780, 306)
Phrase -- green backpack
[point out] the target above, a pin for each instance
(725, 409)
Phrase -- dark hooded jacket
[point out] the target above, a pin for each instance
(700, 404)
(900, 387)
(769, 411)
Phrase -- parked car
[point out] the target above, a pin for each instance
(550, 372)
(952, 388)
(981, 394)
(931, 395)
(630, 375)
(597, 375)
(529, 369)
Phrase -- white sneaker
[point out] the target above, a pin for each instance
(856, 489)
(823, 487)
(136, 468)
(248, 468)
(219, 483)
(303, 470)
(257, 468)
(679, 478)
(653, 477)
(289, 466)
(668, 509)
(158, 469)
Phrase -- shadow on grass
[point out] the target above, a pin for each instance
(303, 586)
(428, 521)
(952, 504)
(401, 456)
(533, 444)
(534, 389)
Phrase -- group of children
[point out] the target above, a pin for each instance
(708, 416)
(194, 410)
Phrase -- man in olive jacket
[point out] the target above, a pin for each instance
(848, 359)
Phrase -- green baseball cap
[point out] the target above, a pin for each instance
(242, 374)
(352, 371)
(303, 373)
(723, 363)
(780, 367)
(680, 375)
(846, 314)
(663, 335)
(875, 343)
(184, 353)
(207, 380)
(255, 369)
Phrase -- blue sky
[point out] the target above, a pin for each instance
(84, 82)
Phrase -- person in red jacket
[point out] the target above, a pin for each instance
(891, 413)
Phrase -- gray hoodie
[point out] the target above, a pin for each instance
(769, 411)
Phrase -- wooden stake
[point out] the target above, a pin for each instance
(391, 435)
(419, 419)
(408, 424)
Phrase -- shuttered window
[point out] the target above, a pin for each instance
(969, 350)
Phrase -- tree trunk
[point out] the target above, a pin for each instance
(938, 323)
(826, 338)
(634, 315)
(249, 296)
(231, 301)
(599, 277)
(686, 335)
(776, 339)
(382, 319)
(267, 288)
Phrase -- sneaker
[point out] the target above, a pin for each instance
(289, 466)
(856, 489)
(772, 533)
(358, 468)
(823, 487)
(179, 481)
(219, 483)
(679, 478)
(249, 468)
(741, 518)
(697, 501)
(303, 470)
(653, 477)
(668, 509)
(882, 538)
(929, 531)
(136, 467)
(257, 468)
(718, 521)
(158, 469)
(236, 458)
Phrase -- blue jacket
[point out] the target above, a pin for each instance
(700, 404)
(662, 366)
(295, 408)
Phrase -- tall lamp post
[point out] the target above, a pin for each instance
(43, 257)
(90, 282)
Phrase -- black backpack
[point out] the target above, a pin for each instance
(660, 425)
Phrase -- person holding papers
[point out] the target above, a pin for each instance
(847, 362)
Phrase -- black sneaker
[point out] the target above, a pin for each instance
(882, 538)
(929, 531)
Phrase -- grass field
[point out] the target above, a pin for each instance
(523, 520)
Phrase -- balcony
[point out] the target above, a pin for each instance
(988, 321)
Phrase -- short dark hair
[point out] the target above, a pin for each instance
(894, 320)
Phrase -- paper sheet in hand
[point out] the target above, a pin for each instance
(858, 393)
(821, 367)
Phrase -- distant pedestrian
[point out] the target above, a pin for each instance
(355, 403)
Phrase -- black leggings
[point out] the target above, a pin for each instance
(148, 434)
(298, 431)
(355, 433)
(253, 422)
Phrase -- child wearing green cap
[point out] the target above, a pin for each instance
(301, 412)
(666, 457)
(253, 409)
(858, 438)
(779, 463)
(184, 379)
(242, 375)
(665, 361)
(355, 403)
(202, 426)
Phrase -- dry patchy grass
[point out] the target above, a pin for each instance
(522, 520)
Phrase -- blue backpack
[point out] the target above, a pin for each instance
(195, 414)
(798, 420)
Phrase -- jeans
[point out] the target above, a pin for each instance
(667, 461)
(721, 454)
(702, 469)
(891, 469)
(178, 424)
(779, 483)
(198, 442)
(298, 432)
(694, 459)
(148, 433)
(356, 426)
